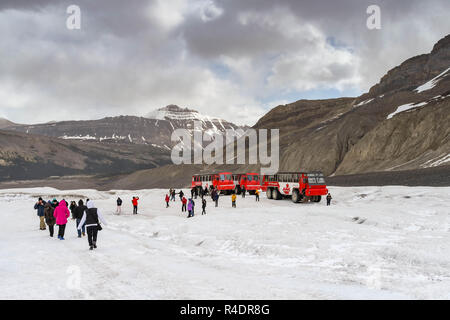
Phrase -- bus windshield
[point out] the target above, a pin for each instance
(224, 177)
(316, 178)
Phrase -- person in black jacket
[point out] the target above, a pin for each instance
(49, 218)
(55, 203)
(77, 214)
(72, 207)
(329, 199)
(181, 193)
(119, 206)
(39, 206)
(91, 219)
(203, 206)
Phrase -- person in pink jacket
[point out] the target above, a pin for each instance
(61, 214)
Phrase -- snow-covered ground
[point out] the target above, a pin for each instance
(373, 242)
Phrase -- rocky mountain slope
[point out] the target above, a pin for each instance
(155, 129)
(4, 123)
(25, 156)
(401, 123)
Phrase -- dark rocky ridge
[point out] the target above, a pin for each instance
(24, 156)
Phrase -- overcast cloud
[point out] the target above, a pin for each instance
(234, 59)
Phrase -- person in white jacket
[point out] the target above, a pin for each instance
(91, 219)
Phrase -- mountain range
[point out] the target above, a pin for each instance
(401, 123)
(154, 129)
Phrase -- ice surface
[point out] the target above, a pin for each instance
(373, 242)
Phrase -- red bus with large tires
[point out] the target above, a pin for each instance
(222, 181)
(248, 181)
(300, 186)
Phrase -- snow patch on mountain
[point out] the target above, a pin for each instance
(406, 107)
(80, 137)
(432, 83)
(443, 158)
(363, 103)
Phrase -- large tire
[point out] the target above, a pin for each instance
(318, 198)
(269, 193)
(278, 195)
(295, 196)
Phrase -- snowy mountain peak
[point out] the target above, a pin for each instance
(175, 108)
(174, 112)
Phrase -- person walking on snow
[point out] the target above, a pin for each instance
(233, 200)
(78, 214)
(203, 206)
(243, 192)
(61, 214)
(190, 208)
(183, 204)
(91, 220)
(181, 195)
(39, 206)
(329, 199)
(49, 218)
(55, 203)
(216, 198)
(119, 206)
(173, 195)
(135, 204)
(257, 195)
(72, 207)
(167, 200)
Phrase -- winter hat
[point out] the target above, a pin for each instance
(40, 199)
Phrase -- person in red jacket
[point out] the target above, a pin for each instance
(167, 200)
(135, 204)
(183, 204)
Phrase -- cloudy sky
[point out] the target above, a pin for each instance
(234, 59)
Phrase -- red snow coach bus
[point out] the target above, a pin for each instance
(249, 181)
(300, 186)
(223, 181)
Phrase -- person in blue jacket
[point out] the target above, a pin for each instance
(39, 206)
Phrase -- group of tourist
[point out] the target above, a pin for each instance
(87, 217)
